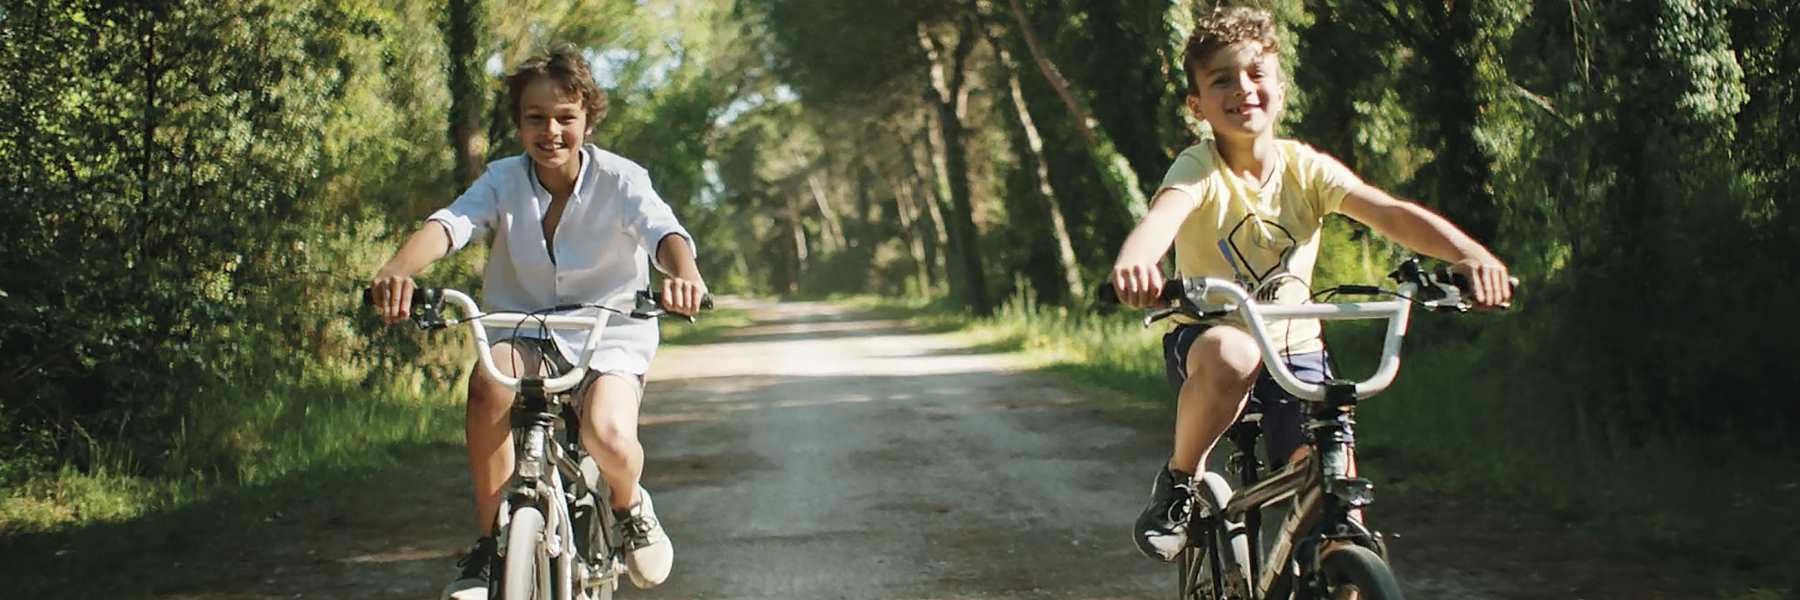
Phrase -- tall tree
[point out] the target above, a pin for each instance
(1121, 179)
(1455, 45)
(464, 23)
(1039, 167)
(948, 95)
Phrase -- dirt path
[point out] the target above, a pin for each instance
(823, 454)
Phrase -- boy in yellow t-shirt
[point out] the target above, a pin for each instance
(1247, 206)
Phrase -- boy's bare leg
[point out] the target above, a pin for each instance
(489, 432)
(1221, 367)
(609, 432)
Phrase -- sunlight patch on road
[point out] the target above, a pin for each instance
(404, 554)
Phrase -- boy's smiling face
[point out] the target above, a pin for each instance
(1240, 91)
(552, 124)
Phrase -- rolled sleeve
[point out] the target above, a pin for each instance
(471, 215)
(652, 219)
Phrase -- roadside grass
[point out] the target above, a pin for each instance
(1719, 506)
(243, 441)
(251, 438)
(163, 548)
(267, 448)
(705, 329)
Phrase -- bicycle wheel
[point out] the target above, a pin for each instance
(1356, 573)
(1199, 575)
(527, 574)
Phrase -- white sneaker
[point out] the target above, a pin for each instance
(648, 554)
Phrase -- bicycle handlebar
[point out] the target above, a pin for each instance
(1189, 295)
(648, 306)
(428, 301)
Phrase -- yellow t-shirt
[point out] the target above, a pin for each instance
(1266, 237)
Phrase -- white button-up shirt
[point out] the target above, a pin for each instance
(610, 228)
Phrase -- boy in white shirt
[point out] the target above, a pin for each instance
(571, 223)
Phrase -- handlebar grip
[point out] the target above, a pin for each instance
(1443, 273)
(1106, 294)
(1171, 292)
(651, 300)
(422, 296)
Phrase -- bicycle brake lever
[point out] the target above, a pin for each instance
(429, 318)
(1449, 299)
(1160, 315)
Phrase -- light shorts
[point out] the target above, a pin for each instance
(552, 363)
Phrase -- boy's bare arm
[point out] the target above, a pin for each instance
(393, 284)
(1136, 275)
(683, 289)
(1428, 233)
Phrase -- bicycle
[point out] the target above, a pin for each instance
(1320, 551)
(555, 528)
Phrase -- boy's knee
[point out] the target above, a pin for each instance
(1224, 355)
(489, 397)
(614, 437)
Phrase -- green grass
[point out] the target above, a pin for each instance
(1456, 425)
(234, 457)
(105, 558)
(707, 328)
(231, 440)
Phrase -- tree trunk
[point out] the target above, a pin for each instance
(1121, 180)
(913, 234)
(1034, 145)
(833, 229)
(797, 231)
(925, 188)
(950, 97)
(1463, 168)
(462, 25)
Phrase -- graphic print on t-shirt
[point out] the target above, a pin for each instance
(1258, 250)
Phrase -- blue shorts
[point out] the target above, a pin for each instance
(1282, 415)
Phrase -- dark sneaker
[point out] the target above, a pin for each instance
(648, 553)
(477, 569)
(1161, 531)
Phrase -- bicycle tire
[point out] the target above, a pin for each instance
(1359, 568)
(1198, 576)
(527, 572)
(1201, 564)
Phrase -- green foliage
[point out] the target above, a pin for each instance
(188, 211)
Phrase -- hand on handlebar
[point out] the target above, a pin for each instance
(1138, 286)
(1488, 279)
(391, 295)
(683, 296)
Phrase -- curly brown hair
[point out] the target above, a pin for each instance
(1219, 30)
(565, 65)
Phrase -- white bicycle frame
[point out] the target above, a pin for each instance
(595, 325)
(559, 534)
